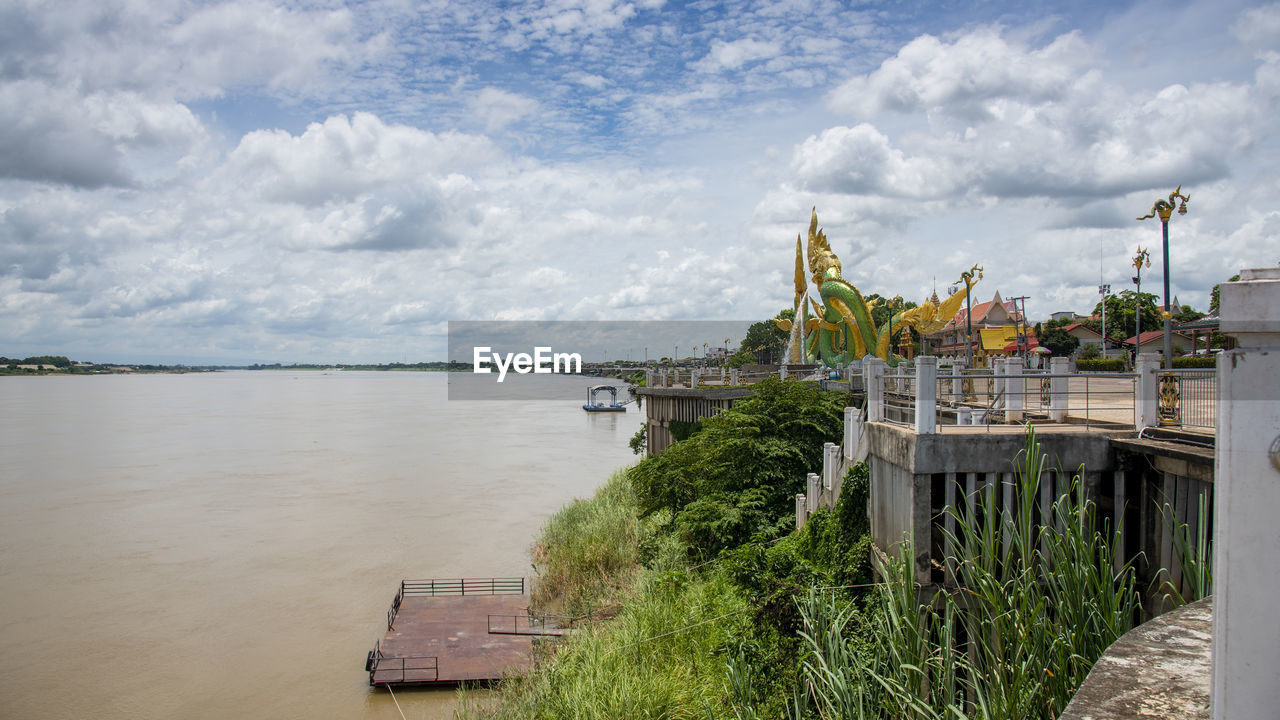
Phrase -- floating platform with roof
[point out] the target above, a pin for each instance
(613, 406)
(446, 632)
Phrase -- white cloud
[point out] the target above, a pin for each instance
(1020, 122)
(344, 158)
(733, 55)
(964, 77)
(499, 108)
(1259, 28)
(861, 161)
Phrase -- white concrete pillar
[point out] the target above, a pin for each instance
(801, 513)
(997, 382)
(1014, 390)
(693, 378)
(1146, 391)
(1059, 389)
(873, 380)
(926, 394)
(648, 377)
(1246, 636)
(782, 372)
(733, 376)
(837, 475)
(830, 465)
(852, 431)
(957, 382)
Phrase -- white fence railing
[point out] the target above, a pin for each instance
(921, 396)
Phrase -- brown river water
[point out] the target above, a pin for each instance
(225, 545)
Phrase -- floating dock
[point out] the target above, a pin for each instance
(613, 406)
(446, 632)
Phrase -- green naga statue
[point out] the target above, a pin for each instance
(840, 329)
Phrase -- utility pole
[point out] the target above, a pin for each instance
(1103, 290)
(1020, 307)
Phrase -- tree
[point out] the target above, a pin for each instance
(1215, 295)
(1122, 313)
(886, 307)
(739, 474)
(1060, 342)
(766, 340)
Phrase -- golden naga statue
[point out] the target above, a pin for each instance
(840, 329)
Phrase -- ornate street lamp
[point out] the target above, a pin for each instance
(966, 277)
(1164, 209)
(1141, 260)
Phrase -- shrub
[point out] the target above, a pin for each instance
(1100, 365)
(738, 475)
(1196, 361)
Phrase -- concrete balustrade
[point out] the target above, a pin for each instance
(926, 394)
(873, 370)
(1059, 388)
(1014, 390)
(1246, 636)
(1146, 391)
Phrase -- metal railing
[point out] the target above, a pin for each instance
(413, 669)
(985, 399)
(463, 586)
(554, 625)
(452, 586)
(1188, 398)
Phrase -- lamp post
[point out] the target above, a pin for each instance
(1164, 209)
(1141, 260)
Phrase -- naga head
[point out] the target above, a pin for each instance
(821, 257)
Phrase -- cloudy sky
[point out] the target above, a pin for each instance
(252, 181)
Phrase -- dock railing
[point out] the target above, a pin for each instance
(452, 586)
(554, 625)
(403, 670)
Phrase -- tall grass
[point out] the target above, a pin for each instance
(661, 657)
(587, 553)
(1038, 603)
(1193, 550)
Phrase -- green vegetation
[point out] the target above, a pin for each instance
(701, 591)
(1039, 605)
(764, 342)
(737, 477)
(588, 552)
(1100, 364)
(1198, 361)
(720, 610)
(1060, 342)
